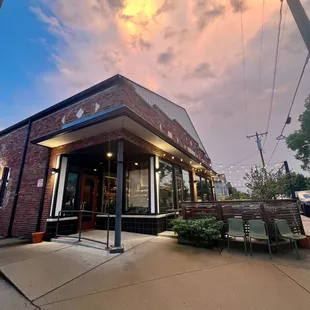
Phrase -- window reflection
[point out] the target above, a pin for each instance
(69, 203)
(165, 187)
(187, 193)
(138, 188)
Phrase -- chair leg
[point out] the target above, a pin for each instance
(250, 246)
(228, 243)
(296, 247)
(277, 243)
(246, 251)
(268, 241)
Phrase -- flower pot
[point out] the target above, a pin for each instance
(37, 237)
(196, 241)
(304, 243)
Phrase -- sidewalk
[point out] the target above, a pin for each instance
(156, 273)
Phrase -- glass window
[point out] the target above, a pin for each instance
(187, 191)
(4, 172)
(199, 186)
(70, 195)
(109, 194)
(165, 172)
(137, 183)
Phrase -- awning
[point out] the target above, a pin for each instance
(114, 119)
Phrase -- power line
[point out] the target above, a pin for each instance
(244, 68)
(287, 121)
(261, 51)
(275, 68)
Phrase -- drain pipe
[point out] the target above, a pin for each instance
(19, 180)
(43, 190)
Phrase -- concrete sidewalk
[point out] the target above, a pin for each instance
(155, 273)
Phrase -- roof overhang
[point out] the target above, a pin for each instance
(114, 119)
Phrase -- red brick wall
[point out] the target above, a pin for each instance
(11, 149)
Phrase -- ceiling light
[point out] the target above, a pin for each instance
(95, 169)
(190, 162)
(181, 159)
(109, 154)
(199, 163)
(164, 154)
(172, 157)
(136, 164)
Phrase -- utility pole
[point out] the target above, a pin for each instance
(259, 144)
(301, 20)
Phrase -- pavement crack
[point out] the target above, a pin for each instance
(291, 278)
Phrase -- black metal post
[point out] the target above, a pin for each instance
(119, 199)
(19, 179)
(287, 170)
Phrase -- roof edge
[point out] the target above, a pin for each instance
(64, 103)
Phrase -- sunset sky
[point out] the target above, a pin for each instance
(189, 51)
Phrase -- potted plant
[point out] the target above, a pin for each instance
(200, 232)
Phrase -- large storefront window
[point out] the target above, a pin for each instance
(70, 194)
(137, 184)
(165, 187)
(199, 185)
(187, 190)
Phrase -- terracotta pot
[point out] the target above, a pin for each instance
(37, 237)
(303, 243)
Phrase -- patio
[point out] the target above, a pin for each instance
(154, 272)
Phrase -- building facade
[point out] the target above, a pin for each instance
(221, 187)
(114, 143)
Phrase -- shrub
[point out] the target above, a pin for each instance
(205, 228)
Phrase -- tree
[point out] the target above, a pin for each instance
(299, 181)
(299, 141)
(235, 195)
(263, 184)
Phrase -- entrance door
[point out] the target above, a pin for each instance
(88, 199)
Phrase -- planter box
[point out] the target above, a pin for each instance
(195, 241)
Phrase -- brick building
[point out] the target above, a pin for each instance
(114, 145)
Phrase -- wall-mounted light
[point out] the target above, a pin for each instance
(109, 154)
(55, 170)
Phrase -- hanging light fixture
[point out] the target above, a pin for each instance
(109, 154)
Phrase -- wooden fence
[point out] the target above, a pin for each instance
(267, 210)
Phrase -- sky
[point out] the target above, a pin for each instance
(188, 51)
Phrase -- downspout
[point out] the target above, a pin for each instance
(19, 180)
(43, 190)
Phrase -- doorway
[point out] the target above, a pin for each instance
(88, 199)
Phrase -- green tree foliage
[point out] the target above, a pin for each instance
(273, 185)
(235, 195)
(299, 141)
(263, 184)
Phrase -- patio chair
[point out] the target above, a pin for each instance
(258, 230)
(236, 229)
(283, 229)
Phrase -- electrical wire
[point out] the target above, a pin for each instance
(244, 67)
(281, 137)
(261, 51)
(240, 161)
(275, 69)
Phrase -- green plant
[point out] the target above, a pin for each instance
(205, 228)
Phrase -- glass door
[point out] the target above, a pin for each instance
(89, 193)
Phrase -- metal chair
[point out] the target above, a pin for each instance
(236, 229)
(258, 230)
(283, 229)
